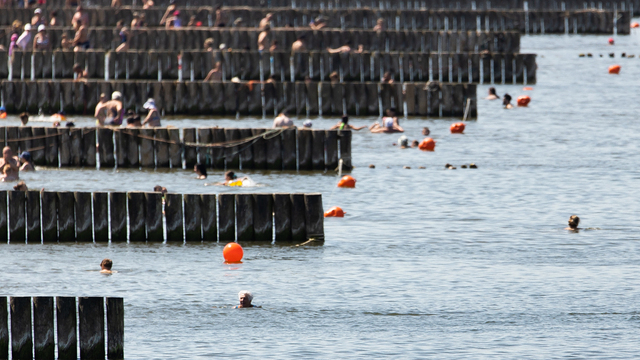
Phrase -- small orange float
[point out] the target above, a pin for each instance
(457, 128)
(614, 69)
(428, 144)
(635, 25)
(233, 252)
(523, 100)
(528, 88)
(611, 41)
(335, 211)
(347, 182)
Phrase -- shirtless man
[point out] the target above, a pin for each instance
(80, 15)
(390, 124)
(263, 38)
(266, 21)
(105, 266)
(101, 110)
(299, 45)
(574, 221)
(81, 40)
(9, 165)
(115, 111)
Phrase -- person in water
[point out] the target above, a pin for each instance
(160, 189)
(105, 266)
(229, 178)
(153, 117)
(426, 131)
(25, 159)
(9, 165)
(506, 102)
(24, 119)
(245, 298)
(21, 186)
(344, 125)
(492, 94)
(390, 124)
(574, 221)
(201, 170)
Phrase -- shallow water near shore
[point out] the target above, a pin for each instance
(466, 263)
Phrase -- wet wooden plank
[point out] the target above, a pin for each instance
(106, 147)
(38, 143)
(43, 329)
(226, 217)
(282, 217)
(136, 205)
(244, 217)
(317, 149)
(314, 216)
(274, 151)
(232, 157)
(263, 217)
(33, 217)
(246, 155)
(175, 149)
(204, 153)
(331, 146)
(259, 150)
(115, 328)
(84, 216)
(190, 152)
(4, 210)
(133, 147)
(100, 216)
(162, 148)
(66, 218)
(345, 149)
(66, 321)
(49, 204)
(209, 217)
(304, 150)
(289, 154)
(173, 215)
(147, 146)
(118, 215)
(298, 218)
(51, 147)
(91, 330)
(153, 216)
(17, 226)
(76, 147)
(217, 153)
(89, 147)
(21, 338)
(193, 217)
(4, 328)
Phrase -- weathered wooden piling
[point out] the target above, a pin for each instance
(244, 217)
(263, 217)
(33, 216)
(49, 209)
(17, 223)
(282, 217)
(115, 328)
(209, 217)
(84, 216)
(173, 215)
(3, 218)
(118, 214)
(91, 329)
(66, 219)
(153, 216)
(21, 338)
(4, 329)
(136, 207)
(193, 217)
(43, 328)
(226, 217)
(298, 218)
(67, 335)
(100, 216)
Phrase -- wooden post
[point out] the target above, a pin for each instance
(304, 150)
(33, 217)
(49, 216)
(263, 217)
(331, 146)
(91, 314)
(133, 147)
(147, 159)
(259, 150)
(115, 328)
(21, 340)
(193, 217)
(232, 157)
(153, 216)
(227, 217)
(105, 139)
(4, 236)
(244, 217)
(314, 216)
(17, 217)
(66, 320)
(66, 221)
(38, 144)
(282, 217)
(217, 153)
(88, 156)
(173, 215)
(135, 204)
(317, 149)
(100, 216)
(209, 217)
(118, 215)
(298, 218)
(190, 153)
(274, 152)
(162, 148)
(4, 328)
(246, 155)
(175, 149)
(76, 146)
(43, 329)
(345, 149)
(84, 216)
(51, 147)
(289, 154)
(204, 137)
(122, 147)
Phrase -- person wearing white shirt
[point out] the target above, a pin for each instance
(25, 39)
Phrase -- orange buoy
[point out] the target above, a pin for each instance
(614, 69)
(233, 252)
(611, 41)
(523, 100)
(635, 25)
(457, 128)
(428, 144)
(528, 88)
(347, 182)
(3, 115)
(335, 211)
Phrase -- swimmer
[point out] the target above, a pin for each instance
(404, 142)
(415, 144)
(201, 170)
(24, 119)
(105, 266)
(574, 220)
(426, 131)
(9, 165)
(245, 298)
(344, 125)
(492, 94)
(25, 159)
(229, 178)
(21, 186)
(506, 102)
(390, 124)
(160, 189)
(282, 120)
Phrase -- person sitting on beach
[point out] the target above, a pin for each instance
(390, 124)
(282, 120)
(9, 165)
(105, 266)
(574, 221)
(101, 110)
(81, 39)
(492, 94)
(21, 186)
(506, 102)
(201, 171)
(215, 74)
(245, 298)
(24, 119)
(344, 125)
(266, 21)
(153, 117)
(25, 159)
(115, 110)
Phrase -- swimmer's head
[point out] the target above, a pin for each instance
(415, 143)
(506, 100)
(106, 264)
(24, 118)
(426, 131)
(345, 120)
(230, 175)
(492, 91)
(7, 152)
(403, 141)
(160, 189)
(200, 169)
(26, 156)
(245, 298)
(21, 186)
(574, 221)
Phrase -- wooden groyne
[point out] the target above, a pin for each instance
(46, 217)
(60, 339)
(247, 39)
(216, 148)
(230, 98)
(590, 21)
(280, 65)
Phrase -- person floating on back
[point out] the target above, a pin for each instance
(105, 266)
(574, 221)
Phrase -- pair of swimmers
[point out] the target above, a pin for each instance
(230, 177)
(506, 101)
